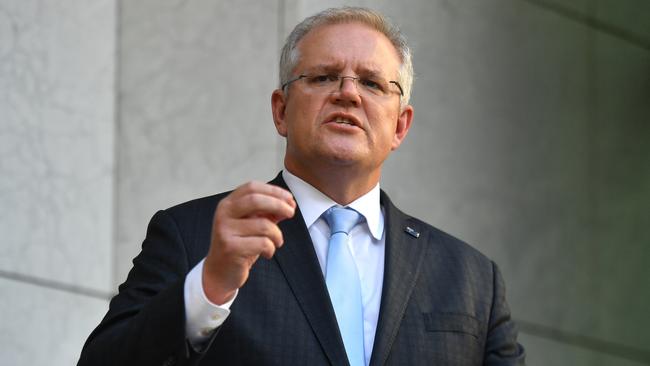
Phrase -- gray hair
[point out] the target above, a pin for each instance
(290, 55)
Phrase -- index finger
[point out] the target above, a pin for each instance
(254, 187)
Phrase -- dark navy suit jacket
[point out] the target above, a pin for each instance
(443, 302)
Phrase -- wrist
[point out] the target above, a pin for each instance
(215, 292)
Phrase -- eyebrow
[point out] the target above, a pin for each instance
(336, 68)
(371, 73)
(326, 68)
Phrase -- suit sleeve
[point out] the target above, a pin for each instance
(145, 323)
(501, 347)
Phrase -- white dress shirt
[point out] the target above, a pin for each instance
(367, 244)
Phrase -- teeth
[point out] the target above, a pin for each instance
(343, 120)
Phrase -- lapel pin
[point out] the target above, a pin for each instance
(409, 230)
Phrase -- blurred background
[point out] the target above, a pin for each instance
(531, 141)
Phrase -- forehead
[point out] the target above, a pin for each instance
(348, 45)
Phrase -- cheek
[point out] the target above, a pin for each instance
(385, 123)
(307, 114)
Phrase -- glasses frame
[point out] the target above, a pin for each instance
(342, 78)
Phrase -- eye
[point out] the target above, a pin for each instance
(322, 79)
(372, 84)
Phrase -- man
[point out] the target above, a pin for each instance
(264, 275)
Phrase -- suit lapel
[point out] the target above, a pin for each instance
(297, 260)
(403, 260)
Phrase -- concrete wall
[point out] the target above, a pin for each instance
(529, 142)
(194, 106)
(57, 69)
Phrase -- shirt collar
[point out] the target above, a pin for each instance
(313, 203)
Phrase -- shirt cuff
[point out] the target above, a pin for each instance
(202, 316)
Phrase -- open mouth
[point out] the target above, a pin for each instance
(344, 121)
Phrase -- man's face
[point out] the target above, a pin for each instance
(345, 128)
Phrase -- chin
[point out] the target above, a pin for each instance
(343, 158)
(340, 148)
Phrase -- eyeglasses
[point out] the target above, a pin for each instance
(327, 84)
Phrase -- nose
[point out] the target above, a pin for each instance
(348, 92)
(353, 81)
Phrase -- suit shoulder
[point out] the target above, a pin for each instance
(192, 218)
(202, 204)
(190, 222)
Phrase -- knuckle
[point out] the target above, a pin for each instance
(242, 189)
(254, 199)
(262, 227)
(278, 205)
(266, 243)
(250, 185)
(277, 191)
(223, 207)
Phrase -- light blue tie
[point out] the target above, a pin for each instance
(343, 283)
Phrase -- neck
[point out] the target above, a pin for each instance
(342, 184)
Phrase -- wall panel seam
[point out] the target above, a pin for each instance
(594, 23)
(55, 285)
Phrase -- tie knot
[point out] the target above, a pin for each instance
(341, 219)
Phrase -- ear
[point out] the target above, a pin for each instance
(403, 125)
(278, 105)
